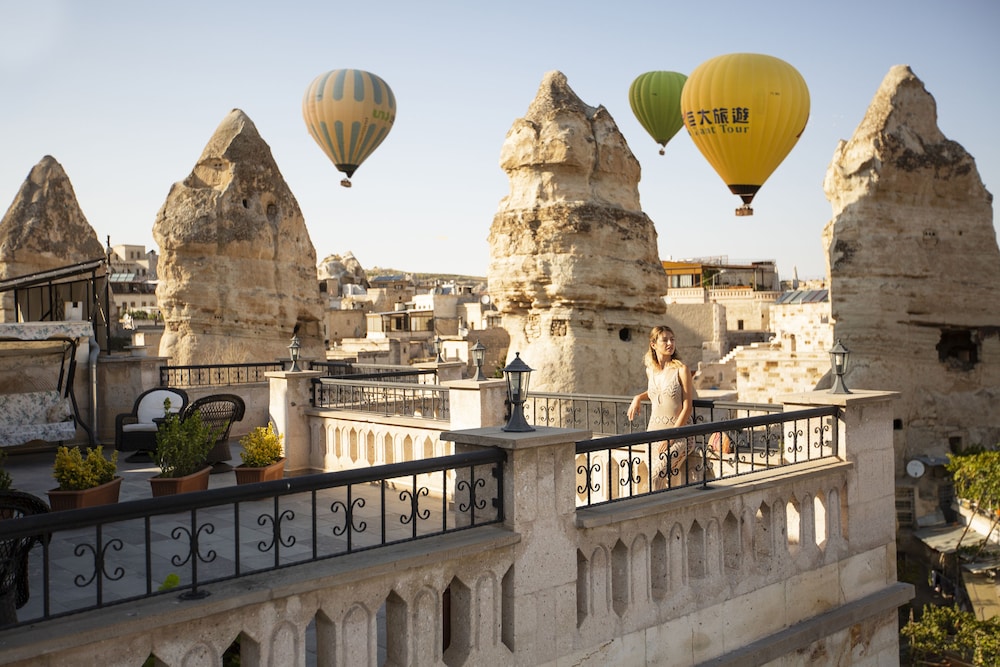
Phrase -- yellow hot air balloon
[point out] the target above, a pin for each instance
(655, 98)
(745, 112)
(349, 112)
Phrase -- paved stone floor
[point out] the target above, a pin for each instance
(32, 473)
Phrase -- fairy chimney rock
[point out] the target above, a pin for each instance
(574, 264)
(913, 262)
(44, 229)
(237, 268)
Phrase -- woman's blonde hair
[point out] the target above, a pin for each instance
(650, 358)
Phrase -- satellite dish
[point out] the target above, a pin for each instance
(915, 469)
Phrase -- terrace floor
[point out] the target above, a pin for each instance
(32, 473)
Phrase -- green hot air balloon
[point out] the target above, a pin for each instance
(656, 102)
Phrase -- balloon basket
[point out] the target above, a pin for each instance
(744, 210)
(346, 183)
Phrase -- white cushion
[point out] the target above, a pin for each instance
(151, 405)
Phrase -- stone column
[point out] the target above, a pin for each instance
(476, 404)
(288, 404)
(539, 504)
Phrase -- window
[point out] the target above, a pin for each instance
(958, 348)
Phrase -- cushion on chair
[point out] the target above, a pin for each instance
(151, 406)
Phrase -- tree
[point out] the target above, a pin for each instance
(947, 632)
(977, 479)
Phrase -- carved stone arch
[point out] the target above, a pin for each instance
(425, 625)
(371, 453)
(353, 437)
(697, 557)
(713, 547)
(284, 640)
(821, 520)
(201, 654)
(641, 577)
(763, 534)
(677, 557)
(793, 524)
(621, 578)
(388, 448)
(599, 590)
(486, 611)
(659, 567)
(732, 545)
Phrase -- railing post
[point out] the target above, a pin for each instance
(864, 433)
(539, 504)
(287, 406)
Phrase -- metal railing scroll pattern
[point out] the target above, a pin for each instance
(103, 556)
(388, 399)
(215, 375)
(608, 415)
(625, 466)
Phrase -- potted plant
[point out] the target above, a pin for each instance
(84, 481)
(182, 443)
(262, 456)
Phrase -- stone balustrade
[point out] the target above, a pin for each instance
(794, 562)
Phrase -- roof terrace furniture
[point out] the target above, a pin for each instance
(136, 430)
(219, 411)
(14, 553)
(35, 415)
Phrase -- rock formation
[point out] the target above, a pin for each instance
(914, 266)
(344, 270)
(43, 229)
(237, 268)
(574, 265)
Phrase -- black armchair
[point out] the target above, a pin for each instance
(136, 430)
(219, 411)
(14, 553)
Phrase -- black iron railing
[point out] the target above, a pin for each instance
(384, 398)
(625, 466)
(608, 415)
(217, 374)
(101, 556)
(385, 373)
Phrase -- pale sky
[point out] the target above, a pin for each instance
(126, 94)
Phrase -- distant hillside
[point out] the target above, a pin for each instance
(378, 272)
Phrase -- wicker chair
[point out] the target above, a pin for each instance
(219, 411)
(136, 430)
(14, 553)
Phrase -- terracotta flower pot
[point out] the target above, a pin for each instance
(166, 486)
(105, 494)
(247, 475)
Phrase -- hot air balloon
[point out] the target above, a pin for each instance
(349, 112)
(745, 112)
(655, 98)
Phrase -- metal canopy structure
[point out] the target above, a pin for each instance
(43, 296)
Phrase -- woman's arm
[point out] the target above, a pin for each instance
(633, 407)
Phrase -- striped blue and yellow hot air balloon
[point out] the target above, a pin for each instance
(349, 112)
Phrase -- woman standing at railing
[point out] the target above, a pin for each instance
(669, 391)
